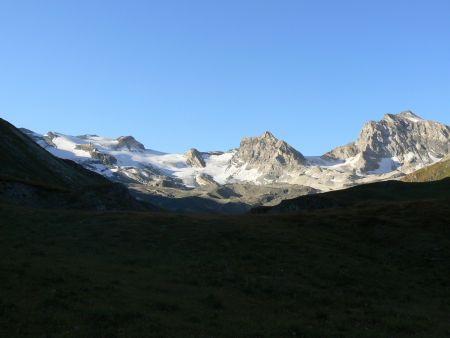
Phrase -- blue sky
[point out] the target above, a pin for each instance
(181, 74)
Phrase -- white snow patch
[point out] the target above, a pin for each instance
(386, 165)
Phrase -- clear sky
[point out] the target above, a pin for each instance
(181, 74)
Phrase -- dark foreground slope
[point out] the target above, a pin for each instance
(372, 271)
(31, 176)
(365, 195)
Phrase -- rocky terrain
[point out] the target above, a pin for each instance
(403, 141)
(262, 170)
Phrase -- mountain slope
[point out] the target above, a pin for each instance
(389, 193)
(267, 155)
(435, 172)
(29, 175)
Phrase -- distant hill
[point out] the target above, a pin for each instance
(388, 192)
(29, 175)
(437, 171)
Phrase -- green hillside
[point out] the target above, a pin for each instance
(437, 171)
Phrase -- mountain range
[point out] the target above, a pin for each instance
(262, 171)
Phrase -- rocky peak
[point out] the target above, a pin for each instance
(405, 138)
(128, 143)
(194, 158)
(268, 136)
(267, 154)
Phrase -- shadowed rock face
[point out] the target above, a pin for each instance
(268, 154)
(129, 143)
(194, 158)
(405, 136)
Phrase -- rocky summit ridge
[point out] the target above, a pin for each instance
(268, 155)
(403, 141)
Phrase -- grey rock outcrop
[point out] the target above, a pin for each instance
(48, 138)
(405, 138)
(268, 154)
(128, 143)
(206, 180)
(105, 159)
(342, 152)
(194, 158)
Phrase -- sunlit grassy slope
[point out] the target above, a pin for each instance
(433, 172)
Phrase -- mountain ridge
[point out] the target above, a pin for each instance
(387, 149)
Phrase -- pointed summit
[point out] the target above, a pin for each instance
(194, 158)
(269, 136)
(129, 143)
(268, 155)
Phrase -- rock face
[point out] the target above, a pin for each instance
(268, 155)
(104, 158)
(404, 139)
(194, 158)
(129, 143)
(205, 180)
(342, 152)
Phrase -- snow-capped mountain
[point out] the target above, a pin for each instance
(390, 148)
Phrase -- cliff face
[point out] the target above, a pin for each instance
(268, 155)
(404, 138)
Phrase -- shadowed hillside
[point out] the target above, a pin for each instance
(365, 195)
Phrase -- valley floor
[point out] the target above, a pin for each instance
(378, 271)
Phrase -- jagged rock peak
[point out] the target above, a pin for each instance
(267, 154)
(267, 135)
(403, 138)
(130, 143)
(194, 158)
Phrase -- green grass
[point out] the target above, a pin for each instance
(435, 172)
(378, 271)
